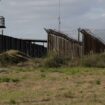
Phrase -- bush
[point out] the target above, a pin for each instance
(15, 80)
(95, 60)
(6, 79)
(73, 62)
(98, 82)
(12, 102)
(53, 60)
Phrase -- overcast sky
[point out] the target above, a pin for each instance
(27, 18)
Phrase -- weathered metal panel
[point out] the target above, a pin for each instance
(26, 46)
(91, 44)
(62, 44)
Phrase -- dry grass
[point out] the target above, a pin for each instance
(94, 60)
(12, 57)
(54, 86)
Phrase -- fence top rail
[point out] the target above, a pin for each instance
(35, 40)
(28, 40)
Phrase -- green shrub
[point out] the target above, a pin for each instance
(43, 75)
(15, 80)
(98, 82)
(6, 79)
(95, 60)
(54, 60)
(12, 102)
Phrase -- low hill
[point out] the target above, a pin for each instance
(13, 57)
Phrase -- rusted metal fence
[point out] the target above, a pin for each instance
(91, 44)
(26, 46)
(63, 45)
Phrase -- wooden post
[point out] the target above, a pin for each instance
(2, 32)
(79, 42)
(83, 48)
(2, 41)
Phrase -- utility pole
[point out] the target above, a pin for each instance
(79, 29)
(59, 17)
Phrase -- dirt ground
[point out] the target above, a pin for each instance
(55, 86)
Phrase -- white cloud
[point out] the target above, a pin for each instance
(30, 16)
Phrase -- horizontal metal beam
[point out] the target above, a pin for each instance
(35, 40)
(2, 27)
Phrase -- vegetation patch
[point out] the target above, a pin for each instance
(47, 86)
(12, 57)
(95, 60)
(69, 94)
(12, 102)
(6, 79)
(98, 82)
(54, 60)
